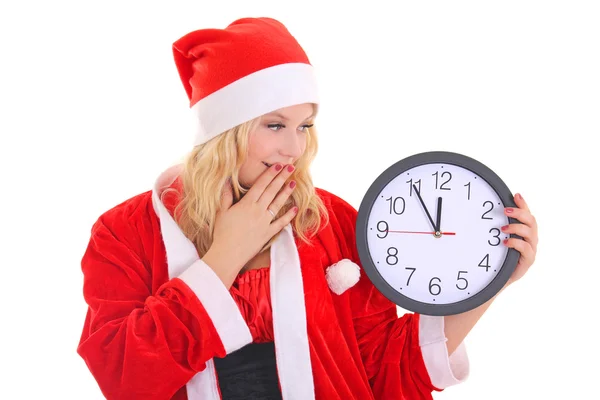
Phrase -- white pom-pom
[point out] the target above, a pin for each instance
(342, 275)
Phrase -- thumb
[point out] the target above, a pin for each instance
(227, 195)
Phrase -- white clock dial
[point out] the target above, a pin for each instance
(437, 270)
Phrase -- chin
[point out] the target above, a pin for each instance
(247, 183)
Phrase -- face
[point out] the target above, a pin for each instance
(279, 138)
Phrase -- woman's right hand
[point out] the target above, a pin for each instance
(243, 229)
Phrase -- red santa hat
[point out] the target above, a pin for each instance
(233, 75)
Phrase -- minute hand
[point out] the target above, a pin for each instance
(425, 208)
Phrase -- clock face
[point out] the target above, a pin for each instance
(423, 261)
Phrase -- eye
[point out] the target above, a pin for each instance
(275, 127)
(303, 128)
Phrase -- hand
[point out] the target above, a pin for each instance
(528, 230)
(425, 208)
(241, 230)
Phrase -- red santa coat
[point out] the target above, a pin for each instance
(158, 315)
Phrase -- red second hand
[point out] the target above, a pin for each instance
(426, 233)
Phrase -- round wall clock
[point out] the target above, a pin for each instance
(428, 233)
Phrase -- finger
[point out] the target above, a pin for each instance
(522, 230)
(520, 202)
(275, 186)
(282, 197)
(527, 252)
(280, 223)
(263, 181)
(521, 215)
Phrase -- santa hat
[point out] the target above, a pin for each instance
(232, 75)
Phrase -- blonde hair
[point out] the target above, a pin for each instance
(206, 170)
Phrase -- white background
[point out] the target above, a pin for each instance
(92, 110)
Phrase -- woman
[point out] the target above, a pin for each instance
(236, 278)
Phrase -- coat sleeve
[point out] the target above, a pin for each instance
(140, 342)
(404, 355)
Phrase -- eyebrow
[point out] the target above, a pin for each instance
(276, 114)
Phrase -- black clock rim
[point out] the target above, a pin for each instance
(432, 157)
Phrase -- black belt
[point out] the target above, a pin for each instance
(249, 373)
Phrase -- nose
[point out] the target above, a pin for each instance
(293, 145)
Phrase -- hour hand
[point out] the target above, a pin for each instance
(438, 226)
(425, 207)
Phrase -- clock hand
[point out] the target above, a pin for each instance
(439, 216)
(427, 233)
(425, 208)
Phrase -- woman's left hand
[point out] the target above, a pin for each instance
(528, 230)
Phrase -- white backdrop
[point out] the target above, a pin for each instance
(92, 110)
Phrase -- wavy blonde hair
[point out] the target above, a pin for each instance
(206, 170)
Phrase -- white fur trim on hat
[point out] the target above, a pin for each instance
(342, 275)
(252, 96)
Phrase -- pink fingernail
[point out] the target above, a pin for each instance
(290, 168)
(509, 210)
(292, 184)
(278, 167)
(295, 210)
(505, 227)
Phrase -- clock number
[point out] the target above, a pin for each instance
(393, 256)
(435, 285)
(393, 205)
(468, 185)
(411, 274)
(436, 180)
(491, 208)
(385, 230)
(486, 259)
(458, 278)
(410, 184)
(496, 236)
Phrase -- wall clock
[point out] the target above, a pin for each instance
(428, 233)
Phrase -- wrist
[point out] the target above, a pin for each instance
(223, 263)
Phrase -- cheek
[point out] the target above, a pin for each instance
(253, 167)
(304, 143)
(260, 146)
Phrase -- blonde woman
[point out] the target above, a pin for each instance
(234, 277)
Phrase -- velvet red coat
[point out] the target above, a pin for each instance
(158, 315)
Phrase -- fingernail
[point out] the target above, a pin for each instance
(519, 196)
(290, 168)
(505, 227)
(505, 241)
(293, 184)
(295, 210)
(509, 210)
(278, 167)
